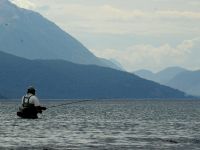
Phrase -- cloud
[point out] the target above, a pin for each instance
(24, 4)
(150, 57)
(109, 19)
(171, 21)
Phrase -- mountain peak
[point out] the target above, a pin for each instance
(173, 69)
(28, 34)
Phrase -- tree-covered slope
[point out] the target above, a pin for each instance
(62, 79)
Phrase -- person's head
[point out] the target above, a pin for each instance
(31, 90)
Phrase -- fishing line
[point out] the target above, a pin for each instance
(63, 104)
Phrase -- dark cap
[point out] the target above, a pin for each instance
(31, 90)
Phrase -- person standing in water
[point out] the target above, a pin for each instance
(30, 105)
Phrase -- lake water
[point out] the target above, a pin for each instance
(104, 125)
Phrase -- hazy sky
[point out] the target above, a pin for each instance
(140, 34)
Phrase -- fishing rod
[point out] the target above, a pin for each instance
(63, 104)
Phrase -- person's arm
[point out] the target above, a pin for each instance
(35, 101)
(40, 109)
(22, 100)
(37, 105)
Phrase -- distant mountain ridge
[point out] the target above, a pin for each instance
(175, 77)
(163, 76)
(168, 74)
(188, 81)
(27, 34)
(63, 79)
(146, 74)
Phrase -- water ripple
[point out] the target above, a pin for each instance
(104, 125)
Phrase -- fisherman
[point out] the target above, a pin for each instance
(30, 105)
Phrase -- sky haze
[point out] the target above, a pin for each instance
(145, 34)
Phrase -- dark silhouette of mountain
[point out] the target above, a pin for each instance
(162, 77)
(63, 79)
(27, 34)
(188, 81)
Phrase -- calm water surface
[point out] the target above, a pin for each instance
(104, 125)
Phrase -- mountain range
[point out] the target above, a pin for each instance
(63, 79)
(35, 51)
(175, 77)
(163, 76)
(27, 34)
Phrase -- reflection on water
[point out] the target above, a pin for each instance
(104, 125)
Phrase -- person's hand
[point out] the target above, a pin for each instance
(43, 108)
(40, 109)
